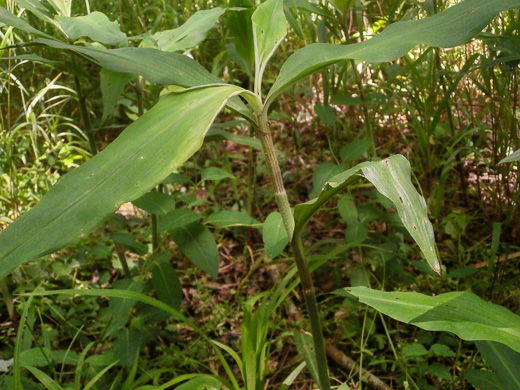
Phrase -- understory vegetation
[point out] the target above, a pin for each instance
(172, 253)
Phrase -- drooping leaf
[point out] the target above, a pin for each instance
(269, 28)
(157, 203)
(515, 156)
(166, 284)
(139, 159)
(228, 218)
(452, 27)
(191, 33)
(95, 25)
(391, 177)
(274, 235)
(504, 361)
(462, 313)
(197, 243)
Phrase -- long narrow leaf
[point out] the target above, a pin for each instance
(453, 27)
(140, 158)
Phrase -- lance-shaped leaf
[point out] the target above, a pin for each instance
(391, 177)
(151, 64)
(452, 27)
(191, 33)
(95, 25)
(268, 31)
(140, 158)
(462, 313)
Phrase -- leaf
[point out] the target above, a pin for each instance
(176, 219)
(305, 346)
(268, 31)
(147, 62)
(197, 243)
(40, 9)
(112, 85)
(504, 362)
(95, 25)
(36, 357)
(157, 203)
(515, 156)
(274, 235)
(191, 33)
(482, 380)
(391, 177)
(127, 345)
(462, 313)
(12, 20)
(63, 7)
(121, 307)
(139, 159)
(166, 284)
(228, 218)
(240, 29)
(452, 27)
(130, 243)
(213, 173)
(44, 379)
(202, 382)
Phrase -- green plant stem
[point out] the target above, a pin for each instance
(84, 116)
(276, 176)
(312, 308)
(298, 251)
(8, 299)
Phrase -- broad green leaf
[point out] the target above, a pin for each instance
(95, 25)
(197, 243)
(274, 235)
(309, 7)
(482, 380)
(268, 31)
(139, 159)
(120, 307)
(240, 29)
(354, 149)
(462, 313)
(151, 63)
(176, 219)
(36, 357)
(157, 203)
(214, 173)
(504, 362)
(112, 85)
(166, 284)
(321, 174)
(452, 27)
(391, 177)
(12, 20)
(228, 218)
(191, 33)
(515, 156)
(147, 62)
(127, 345)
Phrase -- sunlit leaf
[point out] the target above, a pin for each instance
(139, 159)
(452, 27)
(95, 25)
(462, 313)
